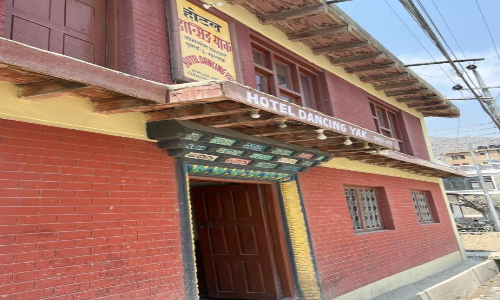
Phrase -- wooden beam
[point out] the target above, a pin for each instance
(383, 77)
(357, 58)
(118, 105)
(341, 47)
(309, 34)
(50, 88)
(270, 131)
(398, 85)
(292, 14)
(424, 103)
(373, 67)
(407, 92)
(427, 98)
(198, 111)
(433, 107)
(241, 120)
(16, 76)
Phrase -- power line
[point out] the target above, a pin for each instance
(420, 19)
(469, 131)
(489, 30)
(418, 40)
(443, 39)
(449, 29)
(462, 127)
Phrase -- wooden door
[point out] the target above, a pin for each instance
(234, 242)
(71, 27)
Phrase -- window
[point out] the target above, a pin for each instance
(363, 208)
(284, 77)
(457, 157)
(422, 207)
(482, 153)
(386, 123)
(467, 184)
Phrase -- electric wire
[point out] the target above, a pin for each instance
(444, 40)
(475, 130)
(449, 29)
(489, 30)
(418, 40)
(419, 18)
(452, 128)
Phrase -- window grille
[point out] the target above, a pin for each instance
(422, 208)
(363, 208)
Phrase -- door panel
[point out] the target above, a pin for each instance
(234, 242)
(71, 27)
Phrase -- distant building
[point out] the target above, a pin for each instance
(484, 155)
(470, 186)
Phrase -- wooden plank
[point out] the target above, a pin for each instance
(384, 77)
(426, 98)
(49, 89)
(198, 111)
(269, 131)
(357, 58)
(433, 107)
(424, 103)
(292, 14)
(241, 120)
(16, 76)
(120, 105)
(398, 85)
(372, 67)
(407, 92)
(341, 47)
(309, 34)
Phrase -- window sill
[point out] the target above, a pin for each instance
(363, 232)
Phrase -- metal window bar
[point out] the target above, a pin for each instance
(363, 208)
(422, 208)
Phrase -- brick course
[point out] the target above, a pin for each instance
(86, 216)
(348, 261)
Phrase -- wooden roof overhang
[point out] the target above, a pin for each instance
(41, 74)
(328, 31)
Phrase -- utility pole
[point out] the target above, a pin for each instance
(489, 202)
(490, 106)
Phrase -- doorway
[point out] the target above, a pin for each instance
(240, 247)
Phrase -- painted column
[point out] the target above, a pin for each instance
(302, 254)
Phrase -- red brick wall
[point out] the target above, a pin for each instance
(144, 40)
(347, 261)
(85, 216)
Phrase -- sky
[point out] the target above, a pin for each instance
(467, 26)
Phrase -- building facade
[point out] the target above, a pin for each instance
(484, 155)
(184, 149)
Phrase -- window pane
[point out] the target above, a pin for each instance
(307, 91)
(382, 119)
(287, 99)
(258, 58)
(262, 83)
(370, 209)
(421, 207)
(283, 73)
(392, 124)
(354, 210)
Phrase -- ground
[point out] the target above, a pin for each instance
(489, 241)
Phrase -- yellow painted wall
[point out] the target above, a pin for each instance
(69, 112)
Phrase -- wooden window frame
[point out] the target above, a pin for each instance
(297, 67)
(378, 194)
(430, 205)
(394, 127)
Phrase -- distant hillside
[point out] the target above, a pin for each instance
(442, 145)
